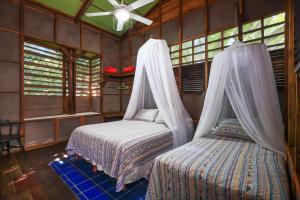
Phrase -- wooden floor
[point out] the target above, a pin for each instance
(32, 178)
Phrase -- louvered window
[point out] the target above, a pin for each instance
(277, 57)
(82, 77)
(268, 30)
(174, 52)
(95, 71)
(193, 78)
(43, 71)
(193, 51)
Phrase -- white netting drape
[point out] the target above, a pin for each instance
(244, 74)
(155, 87)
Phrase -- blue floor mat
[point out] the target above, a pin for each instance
(87, 185)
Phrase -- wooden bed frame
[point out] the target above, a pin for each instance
(294, 181)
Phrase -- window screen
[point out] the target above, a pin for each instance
(174, 52)
(82, 77)
(43, 70)
(95, 71)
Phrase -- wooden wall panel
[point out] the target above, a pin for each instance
(111, 61)
(67, 33)
(38, 24)
(10, 106)
(221, 14)
(193, 23)
(38, 106)
(10, 15)
(137, 42)
(96, 104)
(154, 32)
(134, 60)
(111, 103)
(93, 119)
(91, 40)
(82, 104)
(170, 31)
(9, 76)
(193, 103)
(125, 62)
(110, 47)
(67, 126)
(10, 46)
(125, 48)
(111, 88)
(256, 8)
(125, 101)
(39, 132)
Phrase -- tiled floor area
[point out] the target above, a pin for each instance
(78, 175)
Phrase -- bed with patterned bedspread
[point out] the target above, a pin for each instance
(123, 149)
(219, 167)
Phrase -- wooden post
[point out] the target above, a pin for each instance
(57, 134)
(22, 131)
(291, 78)
(206, 27)
(94, 168)
(160, 20)
(239, 21)
(180, 46)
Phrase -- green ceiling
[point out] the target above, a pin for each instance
(71, 7)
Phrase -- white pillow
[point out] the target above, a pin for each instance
(159, 119)
(232, 128)
(148, 115)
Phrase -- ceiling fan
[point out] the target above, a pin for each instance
(123, 12)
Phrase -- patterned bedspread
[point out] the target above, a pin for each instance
(123, 149)
(219, 168)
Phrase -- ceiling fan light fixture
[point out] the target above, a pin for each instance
(122, 14)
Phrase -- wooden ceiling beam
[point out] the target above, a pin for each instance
(82, 10)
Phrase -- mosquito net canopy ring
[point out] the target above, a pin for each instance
(242, 85)
(154, 86)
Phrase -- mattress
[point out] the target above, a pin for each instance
(219, 168)
(123, 149)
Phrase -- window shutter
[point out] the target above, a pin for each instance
(277, 58)
(43, 71)
(95, 71)
(193, 78)
(82, 77)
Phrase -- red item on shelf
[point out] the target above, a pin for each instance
(110, 69)
(129, 69)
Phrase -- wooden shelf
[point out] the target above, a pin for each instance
(63, 116)
(113, 114)
(118, 75)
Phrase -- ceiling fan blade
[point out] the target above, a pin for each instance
(141, 19)
(139, 3)
(114, 3)
(120, 25)
(98, 14)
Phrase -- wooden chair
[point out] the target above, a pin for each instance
(12, 139)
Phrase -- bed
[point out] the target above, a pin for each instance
(123, 149)
(217, 167)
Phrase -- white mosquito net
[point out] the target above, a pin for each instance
(242, 85)
(154, 86)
